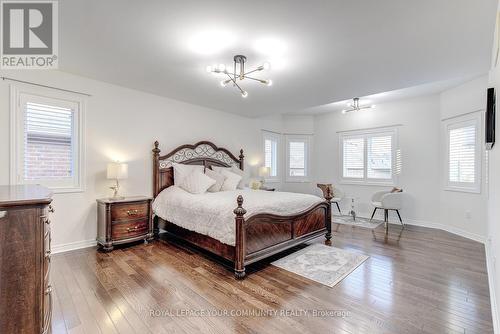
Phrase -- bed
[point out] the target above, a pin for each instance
(220, 222)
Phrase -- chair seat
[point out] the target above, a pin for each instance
(377, 204)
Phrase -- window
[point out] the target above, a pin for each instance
(46, 139)
(271, 154)
(463, 147)
(297, 158)
(368, 156)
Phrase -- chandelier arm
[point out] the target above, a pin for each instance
(234, 81)
(260, 80)
(257, 69)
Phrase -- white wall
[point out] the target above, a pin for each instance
(463, 212)
(418, 121)
(493, 243)
(123, 124)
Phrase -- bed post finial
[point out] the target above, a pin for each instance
(328, 195)
(156, 167)
(242, 157)
(239, 256)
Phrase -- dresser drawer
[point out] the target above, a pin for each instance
(130, 211)
(129, 229)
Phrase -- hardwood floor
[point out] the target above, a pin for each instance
(416, 280)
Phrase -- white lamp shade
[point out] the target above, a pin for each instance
(117, 170)
(264, 171)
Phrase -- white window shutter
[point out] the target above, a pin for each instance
(353, 157)
(462, 154)
(297, 158)
(379, 157)
(48, 147)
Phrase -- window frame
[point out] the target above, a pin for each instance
(307, 139)
(365, 134)
(457, 122)
(20, 94)
(268, 135)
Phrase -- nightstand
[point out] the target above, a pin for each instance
(124, 220)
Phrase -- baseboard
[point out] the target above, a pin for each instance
(492, 285)
(421, 223)
(73, 246)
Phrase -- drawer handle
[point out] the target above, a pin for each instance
(135, 228)
(51, 208)
(132, 212)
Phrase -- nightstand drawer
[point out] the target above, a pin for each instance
(129, 229)
(129, 211)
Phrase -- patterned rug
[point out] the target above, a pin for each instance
(321, 263)
(360, 221)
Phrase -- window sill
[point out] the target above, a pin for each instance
(298, 181)
(371, 184)
(462, 190)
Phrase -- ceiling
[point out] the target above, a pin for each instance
(320, 51)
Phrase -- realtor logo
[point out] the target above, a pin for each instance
(29, 34)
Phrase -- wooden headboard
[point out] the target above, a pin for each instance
(203, 153)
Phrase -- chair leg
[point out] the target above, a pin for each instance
(386, 220)
(338, 207)
(400, 220)
(373, 214)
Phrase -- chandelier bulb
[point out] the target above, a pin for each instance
(373, 106)
(244, 94)
(223, 83)
(269, 83)
(266, 65)
(222, 67)
(208, 68)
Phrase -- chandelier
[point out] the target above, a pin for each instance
(239, 73)
(354, 106)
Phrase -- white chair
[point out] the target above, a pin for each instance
(338, 194)
(387, 200)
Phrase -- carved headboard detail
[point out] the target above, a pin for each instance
(202, 153)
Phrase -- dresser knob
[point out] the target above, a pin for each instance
(132, 212)
(48, 291)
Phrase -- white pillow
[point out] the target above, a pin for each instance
(181, 171)
(196, 182)
(231, 181)
(219, 180)
(235, 170)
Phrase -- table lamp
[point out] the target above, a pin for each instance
(264, 172)
(117, 171)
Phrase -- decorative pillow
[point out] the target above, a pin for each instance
(231, 181)
(235, 170)
(219, 180)
(181, 171)
(196, 182)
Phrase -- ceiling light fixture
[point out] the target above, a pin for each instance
(239, 73)
(354, 106)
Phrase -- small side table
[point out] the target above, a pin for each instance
(124, 220)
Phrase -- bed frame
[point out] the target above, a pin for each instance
(258, 236)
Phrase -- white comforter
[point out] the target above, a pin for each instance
(212, 213)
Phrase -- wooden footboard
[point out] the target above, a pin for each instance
(263, 235)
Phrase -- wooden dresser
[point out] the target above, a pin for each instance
(25, 291)
(123, 220)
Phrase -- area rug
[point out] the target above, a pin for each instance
(360, 221)
(321, 263)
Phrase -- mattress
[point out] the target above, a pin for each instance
(212, 213)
